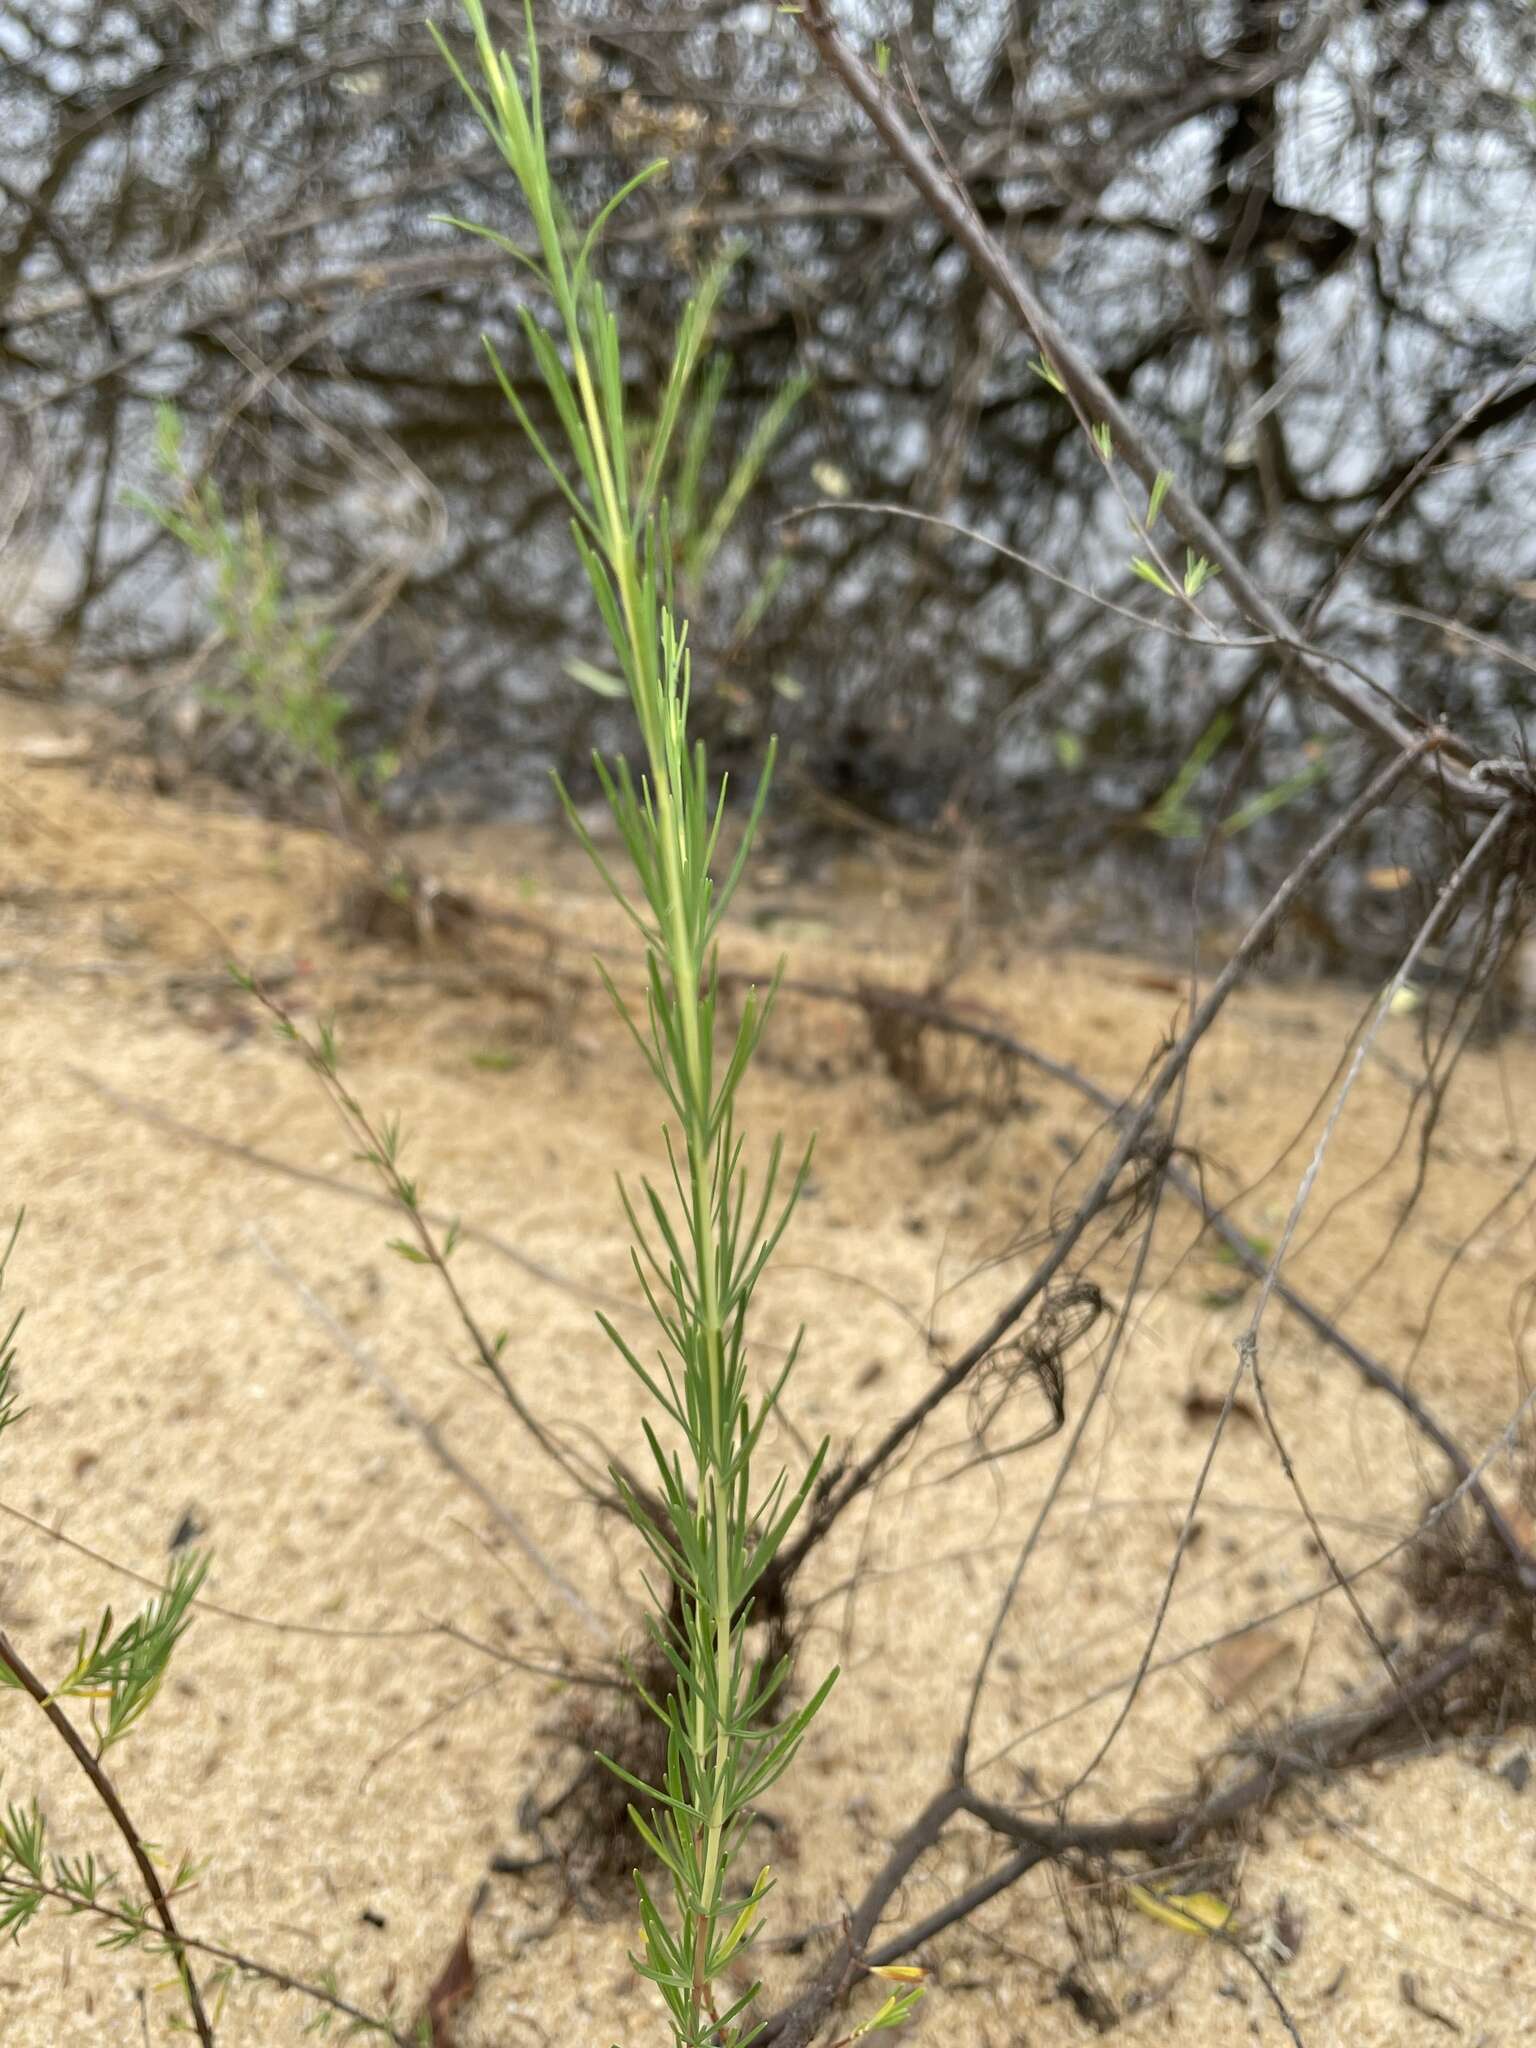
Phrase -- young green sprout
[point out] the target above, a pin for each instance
(702, 1235)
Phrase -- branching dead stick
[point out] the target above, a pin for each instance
(961, 1907)
(106, 1792)
(951, 205)
(1247, 1343)
(1002, 1879)
(799, 2023)
(1137, 1125)
(1446, 905)
(954, 1023)
(1405, 487)
(1131, 1681)
(1064, 1466)
(1447, 901)
(1323, 1742)
(1307, 1748)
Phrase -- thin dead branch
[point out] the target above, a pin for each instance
(1316, 1746)
(1137, 1126)
(1373, 710)
(469, 1233)
(431, 1436)
(987, 1032)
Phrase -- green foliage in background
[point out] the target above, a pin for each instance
(280, 651)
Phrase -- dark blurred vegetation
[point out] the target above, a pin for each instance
(1300, 240)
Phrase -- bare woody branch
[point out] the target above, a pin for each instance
(1095, 404)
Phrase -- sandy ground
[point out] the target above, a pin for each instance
(345, 1768)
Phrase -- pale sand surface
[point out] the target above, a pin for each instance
(170, 1368)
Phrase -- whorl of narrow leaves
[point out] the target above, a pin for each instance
(120, 1672)
(702, 1236)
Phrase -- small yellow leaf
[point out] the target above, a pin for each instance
(1199, 1913)
(1388, 879)
(828, 477)
(1406, 1000)
(899, 1973)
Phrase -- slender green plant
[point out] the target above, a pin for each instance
(701, 1238)
(1173, 816)
(280, 649)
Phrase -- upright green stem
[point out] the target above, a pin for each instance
(699, 1270)
(685, 969)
